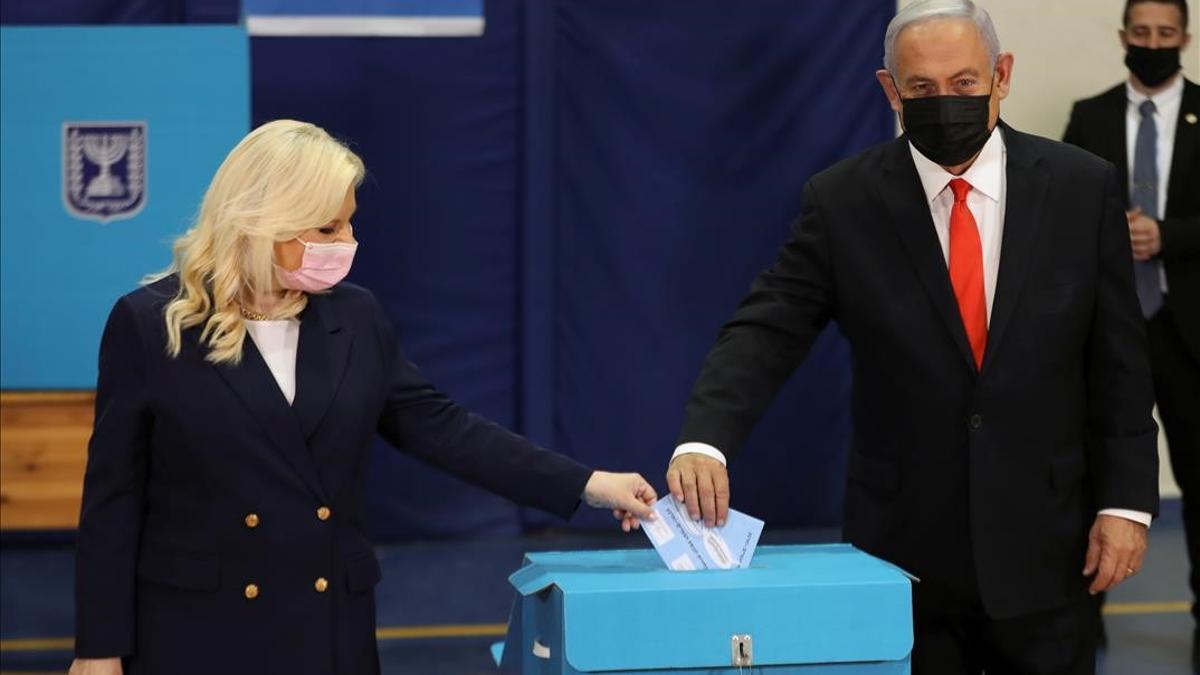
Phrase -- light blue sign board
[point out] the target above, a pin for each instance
(187, 89)
(809, 610)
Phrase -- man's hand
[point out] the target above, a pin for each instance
(702, 484)
(95, 667)
(629, 496)
(1115, 549)
(1144, 235)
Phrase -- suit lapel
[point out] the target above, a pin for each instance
(1027, 182)
(1115, 129)
(254, 384)
(1187, 139)
(320, 362)
(909, 214)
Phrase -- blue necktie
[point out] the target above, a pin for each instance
(1144, 195)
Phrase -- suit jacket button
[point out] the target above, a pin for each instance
(251, 591)
(252, 520)
(976, 421)
(322, 584)
(323, 513)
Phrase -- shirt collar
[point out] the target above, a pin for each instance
(1165, 97)
(986, 175)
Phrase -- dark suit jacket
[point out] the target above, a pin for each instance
(1098, 126)
(184, 451)
(956, 474)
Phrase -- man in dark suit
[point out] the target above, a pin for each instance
(1003, 446)
(1149, 127)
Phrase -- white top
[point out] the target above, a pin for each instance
(1166, 117)
(987, 199)
(278, 341)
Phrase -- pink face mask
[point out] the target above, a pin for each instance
(322, 266)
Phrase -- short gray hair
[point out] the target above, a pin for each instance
(928, 10)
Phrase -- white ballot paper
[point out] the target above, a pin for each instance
(685, 544)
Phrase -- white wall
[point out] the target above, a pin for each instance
(1066, 50)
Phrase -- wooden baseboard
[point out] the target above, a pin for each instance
(43, 452)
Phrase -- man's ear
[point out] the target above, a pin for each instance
(889, 88)
(1123, 38)
(1004, 70)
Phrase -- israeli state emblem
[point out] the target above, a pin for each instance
(104, 169)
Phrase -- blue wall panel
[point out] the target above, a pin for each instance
(59, 273)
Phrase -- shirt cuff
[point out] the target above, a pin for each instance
(699, 449)
(1136, 516)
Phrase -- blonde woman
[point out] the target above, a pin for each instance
(221, 529)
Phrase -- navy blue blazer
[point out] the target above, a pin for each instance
(222, 529)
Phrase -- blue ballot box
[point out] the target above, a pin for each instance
(827, 610)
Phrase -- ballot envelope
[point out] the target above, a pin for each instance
(810, 610)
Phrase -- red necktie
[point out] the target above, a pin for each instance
(966, 270)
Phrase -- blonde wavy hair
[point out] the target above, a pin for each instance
(283, 178)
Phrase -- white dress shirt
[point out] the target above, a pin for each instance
(987, 198)
(1166, 117)
(278, 342)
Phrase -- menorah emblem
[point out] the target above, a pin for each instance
(104, 169)
(105, 150)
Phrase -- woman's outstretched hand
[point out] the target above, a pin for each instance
(628, 495)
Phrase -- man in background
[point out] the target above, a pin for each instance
(1003, 447)
(1149, 127)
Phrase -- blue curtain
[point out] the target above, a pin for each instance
(560, 214)
(684, 133)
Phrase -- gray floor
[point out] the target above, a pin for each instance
(1153, 643)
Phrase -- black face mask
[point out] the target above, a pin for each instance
(1152, 66)
(948, 130)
